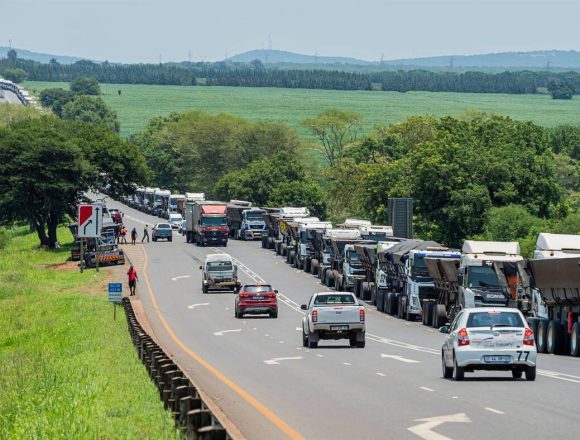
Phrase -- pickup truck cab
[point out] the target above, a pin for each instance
(333, 315)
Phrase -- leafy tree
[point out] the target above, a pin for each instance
(15, 75)
(561, 89)
(55, 99)
(299, 194)
(85, 86)
(335, 129)
(12, 56)
(91, 109)
(47, 164)
(566, 139)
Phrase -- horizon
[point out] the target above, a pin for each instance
(139, 31)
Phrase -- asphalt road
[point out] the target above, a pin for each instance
(390, 389)
(9, 97)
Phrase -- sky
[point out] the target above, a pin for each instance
(170, 30)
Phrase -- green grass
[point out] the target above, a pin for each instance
(67, 370)
(138, 103)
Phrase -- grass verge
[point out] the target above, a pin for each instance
(67, 370)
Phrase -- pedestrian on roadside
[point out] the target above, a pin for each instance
(133, 278)
(133, 236)
(145, 234)
(123, 234)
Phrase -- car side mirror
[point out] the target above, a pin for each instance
(304, 307)
(444, 329)
(201, 267)
(275, 291)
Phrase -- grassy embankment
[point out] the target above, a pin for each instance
(67, 370)
(138, 103)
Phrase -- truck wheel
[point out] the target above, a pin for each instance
(373, 288)
(575, 340)
(314, 266)
(352, 340)
(542, 334)
(284, 249)
(400, 309)
(271, 244)
(447, 372)
(292, 257)
(323, 277)
(264, 242)
(531, 373)
(554, 337)
(312, 341)
(278, 247)
(458, 372)
(365, 291)
(330, 278)
(307, 265)
(439, 315)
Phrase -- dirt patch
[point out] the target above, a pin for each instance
(67, 265)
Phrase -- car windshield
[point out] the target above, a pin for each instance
(500, 319)
(482, 276)
(214, 266)
(163, 226)
(214, 221)
(353, 257)
(254, 216)
(258, 289)
(321, 300)
(419, 266)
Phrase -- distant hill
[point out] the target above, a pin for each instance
(508, 60)
(281, 56)
(40, 57)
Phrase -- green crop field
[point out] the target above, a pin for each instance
(138, 103)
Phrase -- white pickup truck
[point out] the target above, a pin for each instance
(333, 315)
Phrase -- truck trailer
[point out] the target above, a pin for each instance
(206, 223)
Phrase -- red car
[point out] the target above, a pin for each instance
(256, 299)
(116, 215)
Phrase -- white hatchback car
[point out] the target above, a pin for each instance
(489, 338)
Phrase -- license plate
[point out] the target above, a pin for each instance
(497, 359)
(258, 298)
(339, 327)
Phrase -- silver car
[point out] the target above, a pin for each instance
(489, 338)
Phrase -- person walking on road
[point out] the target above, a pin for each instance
(145, 234)
(133, 235)
(123, 233)
(133, 278)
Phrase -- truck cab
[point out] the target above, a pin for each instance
(160, 202)
(253, 224)
(175, 200)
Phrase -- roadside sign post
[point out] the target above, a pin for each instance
(82, 262)
(115, 296)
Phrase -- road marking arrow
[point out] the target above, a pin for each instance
(223, 332)
(424, 430)
(276, 361)
(179, 277)
(193, 306)
(400, 358)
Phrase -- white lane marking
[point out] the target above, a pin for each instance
(455, 397)
(227, 308)
(255, 328)
(400, 358)
(347, 364)
(223, 332)
(400, 344)
(560, 376)
(381, 374)
(193, 306)
(424, 430)
(266, 334)
(493, 410)
(136, 219)
(298, 329)
(180, 277)
(320, 355)
(276, 361)
(426, 389)
(280, 342)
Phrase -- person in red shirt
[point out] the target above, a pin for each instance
(133, 278)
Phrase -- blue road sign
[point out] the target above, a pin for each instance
(115, 292)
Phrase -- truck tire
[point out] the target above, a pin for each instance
(284, 249)
(291, 254)
(365, 291)
(307, 264)
(312, 341)
(575, 340)
(392, 304)
(439, 315)
(278, 247)
(380, 300)
(330, 278)
(314, 266)
(264, 242)
(323, 277)
(542, 334)
(373, 288)
(555, 337)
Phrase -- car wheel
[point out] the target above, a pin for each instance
(447, 371)
(204, 288)
(312, 343)
(554, 337)
(458, 372)
(541, 338)
(360, 344)
(531, 373)
(274, 315)
(304, 339)
(236, 313)
(517, 374)
(575, 340)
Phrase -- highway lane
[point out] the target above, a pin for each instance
(335, 391)
(9, 97)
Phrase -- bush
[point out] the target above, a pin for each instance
(3, 238)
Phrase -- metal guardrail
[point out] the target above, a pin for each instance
(192, 416)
